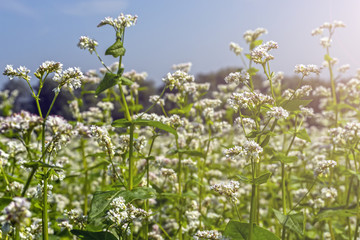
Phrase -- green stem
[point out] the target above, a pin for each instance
(179, 189)
(85, 187)
(45, 223)
(253, 199)
(131, 160)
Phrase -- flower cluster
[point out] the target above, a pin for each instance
(306, 70)
(208, 234)
(20, 72)
(122, 214)
(177, 79)
(48, 67)
(87, 43)
(17, 212)
(120, 22)
(248, 100)
(261, 53)
(237, 77)
(236, 48)
(185, 67)
(70, 78)
(278, 113)
(228, 189)
(252, 35)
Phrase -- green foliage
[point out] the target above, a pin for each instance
(240, 231)
(110, 79)
(86, 235)
(116, 50)
(294, 221)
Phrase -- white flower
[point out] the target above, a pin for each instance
(21, 72)
(87, 43)
(120, 22)
(278, 113)
(70, 78)
(236, 48)
(237, 77)
(16, 212)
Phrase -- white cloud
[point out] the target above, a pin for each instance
(95, 7)
(18, 7)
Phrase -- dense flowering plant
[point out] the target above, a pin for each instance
(250, 160)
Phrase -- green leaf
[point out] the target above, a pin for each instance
(157, 124)
(294, 222)
(262, 179)
(116, 49)
(302, 134)
(136, 107)
(293, 105)
(283, 158)
(4, 202)
(122, 123)
(183, 111)
(102, 200)
(255, 43)
(339, 212)
(240, 231)
(327, 58)
(125, 81)
(243, 178)
(110, 79)
(252, 71)
(86, 235)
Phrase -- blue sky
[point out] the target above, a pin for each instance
(170, 32)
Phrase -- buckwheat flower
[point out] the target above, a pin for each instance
(231, 153)
(329, 193)
(317, 31)
(344, 68)
(237, 77)
(76, 217)
(208, 234)
(229, 190)
(20, 72)
(278, 77)
(3, 158)
(156, 99)
(207, 103)
(252, 149)
(236, 48)
(300, 193)
(70, 78)
(102, 137)
(251, 35)
(278, 113)
(323, 167)
(87, 43)
(48, 67)
(168, 172)
(260, 54)
(307, 112)
(248, 122)
(177, 79)
(120, 22)
(185, 67)
(91, 76)
(321, 91)
(135, 76)
(325, 42)
(17, 212)
(105, 106)
(306, 70)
